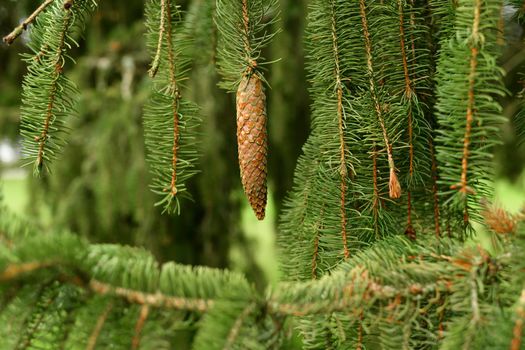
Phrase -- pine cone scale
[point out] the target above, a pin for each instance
(252, 141)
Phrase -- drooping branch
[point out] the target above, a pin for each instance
(58, 64)
(393, 184)
(408, 93)
(170, 121)
(343, 171)
(470, 102)
(166, 5)
(435, 197)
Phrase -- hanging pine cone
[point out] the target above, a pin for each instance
(252, 141)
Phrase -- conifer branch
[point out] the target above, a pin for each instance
(339, 303)
(517, 330)
(14, 271)
(101, 320)
(315, 255)
(408, 95)
(464, 188)
(53, 91)
(170, 121)
(376, 201)
(343, 171)
(234, 331)
(393, 184)
(162, 27)
(435, 197)
(152, 299)
(36, 319)
(473, 136)
(11, 37)
(246, 28)
(141, 321)
(48, 94)
(360, 332)
(166, 6)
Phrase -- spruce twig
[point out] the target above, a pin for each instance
(470, 103)
(141, 321)
(162, 27)
(101, 320)
(153, 299)
(43, 138)
(236, 328)
(408, 94)
(166, 12)
(435, 196)
(393, 184)
(343, 171)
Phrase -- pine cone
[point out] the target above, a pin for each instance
(252, 141)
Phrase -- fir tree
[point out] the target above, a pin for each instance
(398, 167)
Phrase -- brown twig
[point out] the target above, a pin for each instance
(474, 51)
(376, 200)
(92, 341)
(435, 188)
(42, 139)
(315, 256)
(166, 5)
(343, 171)
(141, 321)
(360, 332)
(153, 299)
(11, 37)
(162, 27)
(236, 328)
(517, 331)
(16, 270)
(393, 183)
(409, 93)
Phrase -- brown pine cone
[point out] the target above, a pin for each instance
(252, 141)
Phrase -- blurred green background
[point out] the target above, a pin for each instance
(99, 188)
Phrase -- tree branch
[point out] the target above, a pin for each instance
(11, 37)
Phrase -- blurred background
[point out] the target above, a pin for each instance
(99, 188)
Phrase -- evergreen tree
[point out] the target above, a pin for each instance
(375, 237)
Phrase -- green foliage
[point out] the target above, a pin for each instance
(396, 294)
(170, 122)
(468, 113)
(48, 97)
(400, 152)
(244, 31)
